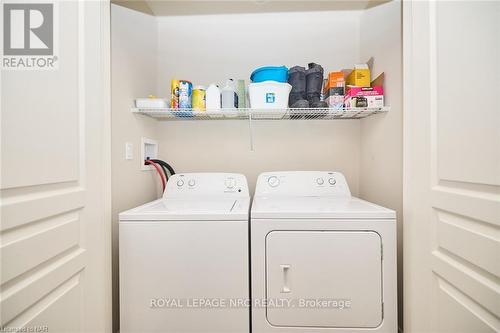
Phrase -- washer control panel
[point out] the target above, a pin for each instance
(273, 181)
(209, 183)
(302, 183)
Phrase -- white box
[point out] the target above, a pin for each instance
(269, 95)
(151, 103)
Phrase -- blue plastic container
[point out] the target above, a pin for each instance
(270, 73)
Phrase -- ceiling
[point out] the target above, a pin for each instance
(210, 7)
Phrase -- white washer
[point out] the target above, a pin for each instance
(322, 260)
(183, 257)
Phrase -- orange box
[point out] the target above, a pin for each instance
(335, 80)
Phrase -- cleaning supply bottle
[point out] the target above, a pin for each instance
(213, 97)
(199, 99)
(241, 91)
(229, 95)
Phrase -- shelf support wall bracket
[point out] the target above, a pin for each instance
(250, 130)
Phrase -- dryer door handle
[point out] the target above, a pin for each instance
(285, 272)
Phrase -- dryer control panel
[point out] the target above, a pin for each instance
(206, 184)
(302, 183)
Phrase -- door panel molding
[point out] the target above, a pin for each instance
(471, 240)
(483, 288)
(43, 246)
(22, 210)
(45, 304)
(481, 319)
(480, 206)
(18, 298)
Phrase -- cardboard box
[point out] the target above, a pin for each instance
(335, 80)
(370, 97)
(359, 76)
(334, 90)
(335, 99)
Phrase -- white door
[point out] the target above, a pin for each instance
(452, 166)
(55, 219)
(324, 278)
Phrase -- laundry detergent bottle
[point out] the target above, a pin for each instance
(229, 95)
(213, 98)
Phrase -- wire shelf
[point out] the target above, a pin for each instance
(260, 114)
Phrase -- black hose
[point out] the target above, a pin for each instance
(164, 171)
(165, 165)
(162, 165)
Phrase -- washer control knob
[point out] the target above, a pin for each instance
(180, 182)
(230, 182)
(273, 181)
(320, 181)
(191, 182)
(332, 181)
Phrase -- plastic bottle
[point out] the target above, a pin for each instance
(199, 98)
(241, 91)
(229, 95)
(213, 97)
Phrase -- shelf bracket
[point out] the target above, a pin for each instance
(250, 130)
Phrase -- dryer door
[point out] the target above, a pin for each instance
(324, 279)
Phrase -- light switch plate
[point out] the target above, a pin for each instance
(129, 151)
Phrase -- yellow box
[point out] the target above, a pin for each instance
(360, 76)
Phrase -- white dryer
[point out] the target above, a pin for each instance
(321, 260)
(184, 258)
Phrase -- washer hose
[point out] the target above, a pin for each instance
(164, 166)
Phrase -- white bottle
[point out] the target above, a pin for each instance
(229, 95)
(212, 97)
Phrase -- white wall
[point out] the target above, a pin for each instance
(292, 145)
(381, 167)
(133, 72)
(212, 48)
